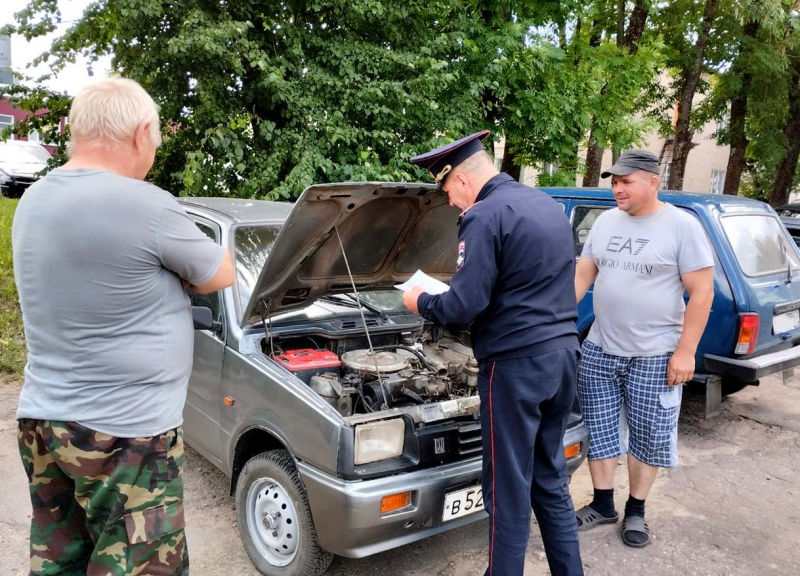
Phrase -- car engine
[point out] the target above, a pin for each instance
(361, 381)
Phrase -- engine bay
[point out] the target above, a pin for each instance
(398, 371)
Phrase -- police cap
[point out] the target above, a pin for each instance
(441, 161)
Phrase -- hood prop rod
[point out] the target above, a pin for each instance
(265, 310)
(363, 319)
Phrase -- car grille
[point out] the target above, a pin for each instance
(469, 440)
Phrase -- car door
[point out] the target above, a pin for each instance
(203, 400)
(583, 216)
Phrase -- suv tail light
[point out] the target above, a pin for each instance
(748, 333)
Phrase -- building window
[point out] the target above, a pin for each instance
(33, 136)
(724, 121)
(550, 168)
(6, 121)
(717, 181)
(665, 176)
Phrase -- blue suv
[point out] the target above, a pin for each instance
(754, 327)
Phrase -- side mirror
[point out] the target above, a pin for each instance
(203, 319)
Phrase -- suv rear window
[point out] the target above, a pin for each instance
(760, 244)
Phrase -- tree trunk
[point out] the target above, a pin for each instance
(737, 132)
(594, 160)
(683, 131)
(636, 27)
(509, 166)
(630, 40)
(788, 164)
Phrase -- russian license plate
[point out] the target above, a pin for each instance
(785, 322)
(462, 503)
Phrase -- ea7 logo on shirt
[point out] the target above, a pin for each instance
(621, 244)
(462, 249)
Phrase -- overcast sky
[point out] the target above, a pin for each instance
(75, 76)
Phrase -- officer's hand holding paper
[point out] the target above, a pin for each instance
(420, 283)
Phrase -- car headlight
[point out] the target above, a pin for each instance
(379, 440)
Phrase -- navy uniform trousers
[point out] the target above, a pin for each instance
(525, 405)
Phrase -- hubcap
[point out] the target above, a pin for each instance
(272, 521)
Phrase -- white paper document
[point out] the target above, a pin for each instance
(429, 284)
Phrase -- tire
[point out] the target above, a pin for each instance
(278, 533)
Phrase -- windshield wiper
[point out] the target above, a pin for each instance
(351, 302)
(371, 307)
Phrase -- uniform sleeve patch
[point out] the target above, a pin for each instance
(462, 249)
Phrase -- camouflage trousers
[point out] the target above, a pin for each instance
(104, 506)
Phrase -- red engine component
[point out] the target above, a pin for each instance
(307, 362)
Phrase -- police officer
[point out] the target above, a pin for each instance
(514, 288)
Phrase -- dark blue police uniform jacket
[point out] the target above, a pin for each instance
(515, 279)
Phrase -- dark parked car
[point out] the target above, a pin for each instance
(347, 425)
(790, 216)
(754, 327)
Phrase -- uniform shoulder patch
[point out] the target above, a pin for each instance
(462, 254)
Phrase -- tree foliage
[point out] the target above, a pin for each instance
(262, 98)
(265, 98)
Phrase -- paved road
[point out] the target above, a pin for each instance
(732, 508)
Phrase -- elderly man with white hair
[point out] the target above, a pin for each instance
(102, 261)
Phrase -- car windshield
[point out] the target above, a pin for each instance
(253, 245)
(760, 244)
(23, 154)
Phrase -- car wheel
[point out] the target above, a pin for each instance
(275, 519)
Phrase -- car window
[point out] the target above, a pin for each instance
(209, 300)
(24, 154)
(760, 244)
(794, 232)
(583, 218)
(253, 245)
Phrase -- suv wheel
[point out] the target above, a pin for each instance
(275, 519)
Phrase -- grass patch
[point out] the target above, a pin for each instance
(12, 339)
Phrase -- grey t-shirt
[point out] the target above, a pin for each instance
(638, 294)
(98, 262)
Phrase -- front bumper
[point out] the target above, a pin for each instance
(751, 369)
(347, 515)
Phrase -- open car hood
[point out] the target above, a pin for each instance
(388, 230)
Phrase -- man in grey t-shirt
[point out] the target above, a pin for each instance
(101, 262)
(641, 257)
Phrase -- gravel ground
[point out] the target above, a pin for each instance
(731, 508)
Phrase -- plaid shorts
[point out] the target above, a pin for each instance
(620, 394)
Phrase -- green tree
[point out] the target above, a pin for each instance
(687, 28)
(265, 98)
(568, 74)
(626, 39)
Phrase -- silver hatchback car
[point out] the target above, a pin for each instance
(347, 425)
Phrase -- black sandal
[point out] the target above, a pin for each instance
(588, 518)
(635, 524)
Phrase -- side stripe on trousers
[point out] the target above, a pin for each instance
(494, 491)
